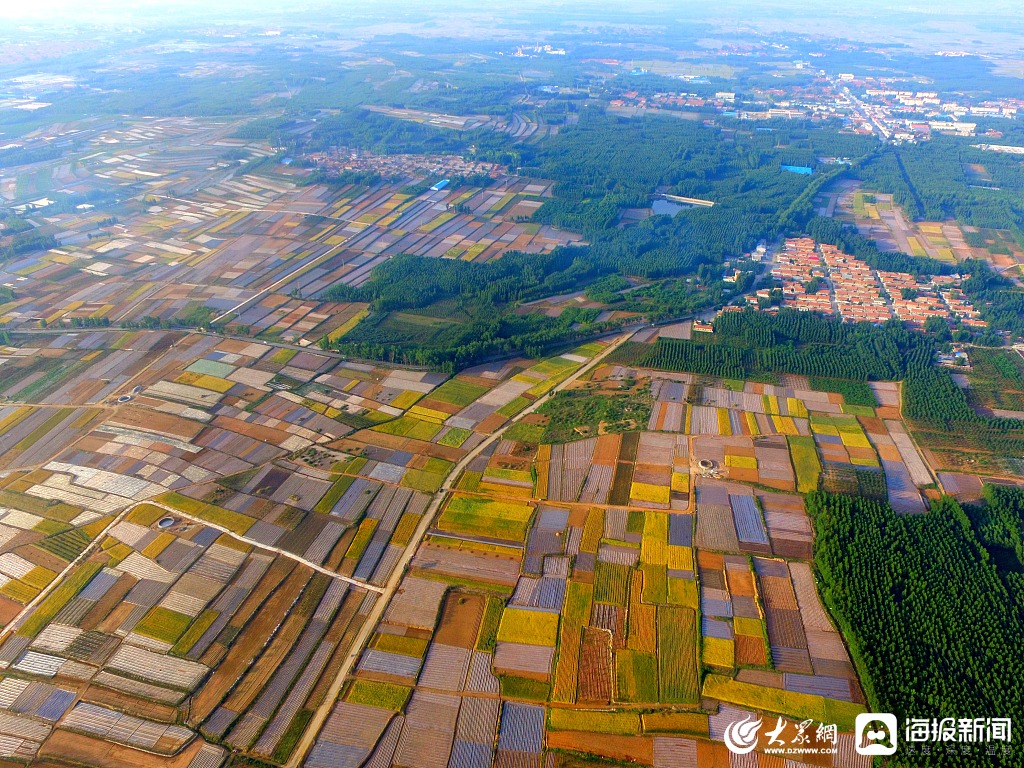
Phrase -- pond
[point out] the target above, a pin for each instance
(665, 208)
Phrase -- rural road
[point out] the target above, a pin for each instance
(266, 547)
(56, 582)
(370, 624)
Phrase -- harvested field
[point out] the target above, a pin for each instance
(595, 669)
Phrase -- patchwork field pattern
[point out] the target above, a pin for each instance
(197, 567)
(622, 595)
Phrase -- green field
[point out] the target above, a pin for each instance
(375, 694)
(997, 379)
(335, 492)
(789, 703)
(400, 644)
(636, 674)
(805, 461)
(66, 545)
(411, 427)
(487, 635)
(677, 654)
(483, 517)
(458, 392)
(59, 597)
(587, 408)
(163, 624)
(611, 583)
(419, 480)
(225, 518)
(194, 632)
(619, 723)
(454, 437)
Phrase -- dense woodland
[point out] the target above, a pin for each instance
(930, 182)
(606, 163)
(916, 597)
(746, 344)
(601, 165)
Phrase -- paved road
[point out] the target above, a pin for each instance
(370, 624)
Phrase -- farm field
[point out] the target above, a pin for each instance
(243, 249)
(616, 593)
(629, 587)
(318, 451)
(876, 217)
(225, 501)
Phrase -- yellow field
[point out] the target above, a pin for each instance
(655, 539)
(680, 482)
(683, 592)
(741, 462)
(225, 518)
(748, 627)
(430, 226)
(213, 383)
(719, 653)
(724, 426)
(406, 399)
(796, 407)
(158, 545)
(428, 414)
(790, 703)
(497, 519)
(825, 429)
(676, 722)
(680, 558)
(528, 627)
(347, 326)
(854, 439)
(622, 723)
(785, 425)
(655, 494)
(752, 424)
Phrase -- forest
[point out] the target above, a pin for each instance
(449, 346)
(600, 166)
(929, 182)
(746, 344)
(916, 596)
(999, 524)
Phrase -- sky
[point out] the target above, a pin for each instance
(74, 10)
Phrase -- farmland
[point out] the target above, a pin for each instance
(244, 501)
(665, 567)
(413, 395)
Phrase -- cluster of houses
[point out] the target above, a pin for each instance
(821, 278)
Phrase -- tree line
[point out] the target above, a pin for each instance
(933, 628)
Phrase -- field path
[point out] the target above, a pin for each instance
(266, 547)
(370, 624)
